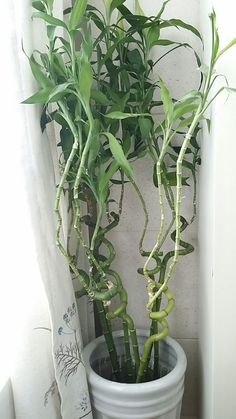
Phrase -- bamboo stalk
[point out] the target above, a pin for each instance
(108, 339)
(147, 348)
(128, 359)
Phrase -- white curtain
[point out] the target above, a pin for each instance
(41, 370)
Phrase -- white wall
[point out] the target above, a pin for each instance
(179, 72)
(217, 233)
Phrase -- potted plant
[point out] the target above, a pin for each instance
(103, 97)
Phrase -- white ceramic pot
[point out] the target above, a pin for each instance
(158, 399)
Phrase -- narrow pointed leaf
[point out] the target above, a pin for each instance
(164, 42)
(191, 96)
(85, 81)
(38, 5)
(77, 14)
(50, 19)
(104, 180)
(50, 3)
(185, 163)
(145, 125)
(230, 89)
(180, 23)
(115, 4)
(171, 178)
(49, 94)
(122, 115)
(99, 97)
(228, 46)
(39, 76)
(40, 97)
(162, 9)
(166, 100)
(181, 109)
(185, 122)
(215, 36)
(58, 92)
(118, 154)
(138, 9)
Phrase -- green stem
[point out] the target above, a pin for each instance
(109, 339)
(145, 213)
(147, 348)
(134, 339)
(128, 359)
(156, 367)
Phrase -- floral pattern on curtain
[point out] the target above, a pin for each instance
(48, 378)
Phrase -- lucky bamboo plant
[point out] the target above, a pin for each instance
(98, 73)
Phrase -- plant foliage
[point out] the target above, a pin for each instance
(106, 89)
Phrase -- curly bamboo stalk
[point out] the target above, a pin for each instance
(185, 144)
(147, 348)
(161, 205)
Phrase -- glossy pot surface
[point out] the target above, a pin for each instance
(158, 399)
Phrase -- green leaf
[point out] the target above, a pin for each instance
(122, 115)
(179, 23)
(153, 34)
(191, 96)
(185, 122)
(115, 4)
(65, 44)
(185, 163)
(58, 92)
(66, 143)
(59, 65)
(77, 14)
(135, 21)
(230, 89)
(170, 177)
(162, 9)
(39, 76)
(228, 46)
(99, 97)
(127, 144)
(166, 100)
(85, 81)
(194, 143)
(39, 97)
(106, 177)
(208, 121)
(38, 5)
(135, 59)
(178, 148)
(145, 125)
(49, 94)
(138, 9)
(50, 3)
(94, 147)
(138, 152)
(181, 109)
(51, 32)
(165, 42)
(119, 182)
(215, 36)
(50, 19)
(118, 154)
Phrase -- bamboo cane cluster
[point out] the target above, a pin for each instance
(103, 95)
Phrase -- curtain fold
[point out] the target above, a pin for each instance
(39, 316)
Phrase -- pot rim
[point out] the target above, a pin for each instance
(174, 376)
